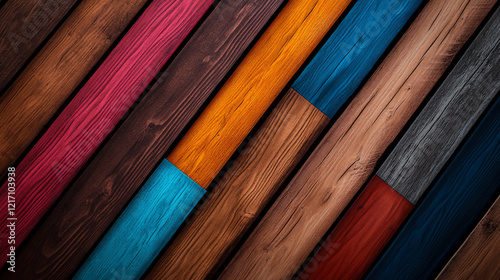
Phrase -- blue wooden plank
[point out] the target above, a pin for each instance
(450, 210)
(352, 50)
(145, 227)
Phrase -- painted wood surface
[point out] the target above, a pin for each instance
(447, 118)
(345, 157)
(254, 85)
(450, 210)
(83, 214)
(297, 15)
(93, 113)
(429, 142)
(207, 239)
(23, 28)
(144, 227)
(361, 234)
(38, 92)
(271, 154)
(478, 256)
(331, 77)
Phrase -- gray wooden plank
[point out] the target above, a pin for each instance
(447, 117)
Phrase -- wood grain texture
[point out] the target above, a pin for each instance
(478, 257)
(361, 234)
(433, 137)
(345, 157)
(274, 151)
(93, 113)
(270, 156)
(448, 116)
(120, 168)
(35, 96)
(251, 71)
(332, 76)
(254, 85)
(450, 210)
(23, 28)
(145, 226)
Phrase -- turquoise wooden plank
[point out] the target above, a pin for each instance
(450, 210)
(145, 227)
(352, 50)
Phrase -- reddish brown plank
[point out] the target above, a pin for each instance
(360, 235)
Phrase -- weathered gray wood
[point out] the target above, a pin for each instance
(447, 117)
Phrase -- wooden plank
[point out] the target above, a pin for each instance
(36, 95)
(171, 195)
(279, 143)
(243, 192)
(25, 25)
(249, 86)
(120, 168)
(372, 220)
(344, 159)
(449, 115)
(478, 257)
(92, 114)
(254, 85)
(450, 210)
(435, 134)
(327, 84)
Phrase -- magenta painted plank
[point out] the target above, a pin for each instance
(96, 109)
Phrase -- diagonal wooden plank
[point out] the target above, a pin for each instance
(346, 156)
(478, 256)
(92, 114)
(23, 28)
(120, 168)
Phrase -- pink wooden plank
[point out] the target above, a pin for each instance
(89, 118)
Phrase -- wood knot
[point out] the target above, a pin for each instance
(489, 226)
(106, 190)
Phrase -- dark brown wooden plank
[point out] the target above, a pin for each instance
(86, 210)
(478, 257)
(346, 156)
(23, 28)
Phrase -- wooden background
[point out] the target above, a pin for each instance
(236, 139)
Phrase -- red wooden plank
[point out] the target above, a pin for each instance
(360, 235)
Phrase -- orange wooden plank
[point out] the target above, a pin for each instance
(254, 85)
